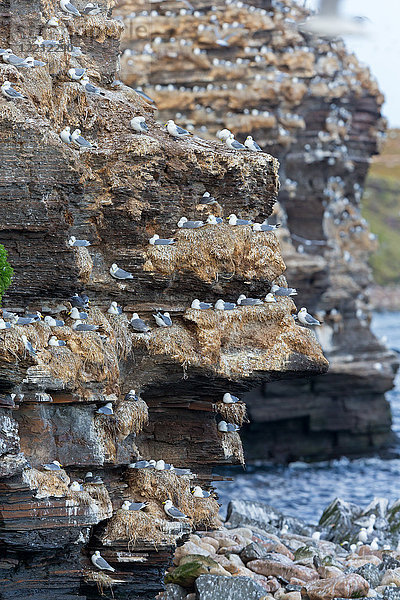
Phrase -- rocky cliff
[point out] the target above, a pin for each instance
(250, 68)
(116, 194)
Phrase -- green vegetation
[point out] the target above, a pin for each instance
(6, 272)
(381, 208)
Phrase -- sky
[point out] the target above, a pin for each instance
(381, 50)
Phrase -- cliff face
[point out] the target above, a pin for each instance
(249, 67)
(117, 195)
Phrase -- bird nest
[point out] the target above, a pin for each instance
(232, 446)
(102, 580)
(232, 413)
(101, 495)
(136, 525)
(47, 483)
(145, 484)
(84, 263)
(236, 343)
(214, 249)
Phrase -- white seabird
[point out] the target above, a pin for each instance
(12, 59)
(29, 61)
(89, 87)
(75, 314)
(118, 273)
(128, 505)
(223, 427)
(183, 223)
(283, 291)
(230, 398)
(234, 144)
(91, 9)
(46, 44)
(163, 320)
(199, 493)
(270, 298)
(4, 325)
(175, 130)
(28, 346)
(69, 8)
(80, 326)
(74, 243)
(157, 241)
(233, 220)
(131, 395)
(114, 309)
(9, 92)
(76, 74)
(172, 511)
(98, 560)
(243, 301)
(23, 320)
(251, 144)
(306, 319)
(141, 464)
(207, 199)
(65, 135)
(362, 535)
(316, 535)
(53, 466)
(200, 305)
(80, 301)
(107, 409)
(139, 124)
(213, 220)
(80, 141)
(76, 487)
(53, 22)
(138, 324)
(54, 341)
(221, 305)
(223, 134)
(264, 227)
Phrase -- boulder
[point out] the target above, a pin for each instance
(190, 567)
(174, 592)
(214, 587)
(351, 585)
(372, 574)
(282, 567)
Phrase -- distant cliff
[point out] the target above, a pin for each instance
(116, 195)
(309, 102)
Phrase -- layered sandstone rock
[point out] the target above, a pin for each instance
(248, 67)
(117, 195)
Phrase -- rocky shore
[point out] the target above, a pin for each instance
(260, 554)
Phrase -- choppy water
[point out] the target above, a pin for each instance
(304, 490)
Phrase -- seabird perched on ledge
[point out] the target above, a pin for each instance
(52, 322)
(175, 130)
(199, 493)
(157, 241)
(75, 314)
(91, 9)
(76, 74)
(114, 309)
(264, 227)
(283, 291)
(243, 301)
(251, 144)
(233, 220)
(80, 141)
(270, 298)
(69, 8)
(223, 134)
(172, 511)
(65, 135)
(89, 87)
(201, 305)
(80, 326)
(28, 346)
(107, 409)
(118, 273)
(131, 395)
(53, 341)
(234, 144)
(128, 505)
(53, 466)
(306, 319)
(183, 223)
(138, 324)
(100, 563)
(221, 305)
(207, 199)
(9, 92)
(163, 320)
(139, 124)
(230, 398)
(74, 243)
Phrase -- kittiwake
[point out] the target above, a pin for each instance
(199, 493)
(128, 505)
(234, 144)
(131, 395)
(183, 223)
(306, 319)
(114, 309)
(175, 130)
(54, 341)
(76, 74)
(52, 322)
(157, 241)
(201, 305)
(80, 141)
(233, 220)
(98, 560)
(9, 92)
(251, 144)
(163, 320)
(221, 305)
(118, 273)
(74, 243)
(243, 301)
(139, 124)
(107, 409)
(28, 346)
(138, 324)
(69, 8)
(172, 511)
(283, 291)
(230, 398)
(53, 466)
(80, 326)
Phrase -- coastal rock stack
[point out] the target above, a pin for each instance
(251, 68)
(87, 392)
